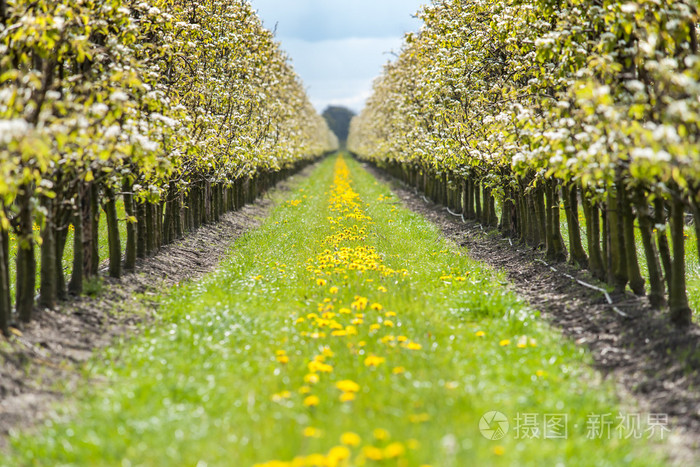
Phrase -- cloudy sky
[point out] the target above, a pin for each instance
(339, 46)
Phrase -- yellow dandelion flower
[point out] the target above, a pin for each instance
(398, 370)
(479, 333)
(413, 346)
(390, 314)
(345, 311)
(373, 453)
(333, 290)
(311, 401)
(381, 288)
(380, 434)
(499, 450)
(394, 450)
(283, 359)
(347, 397)
(320, 282)
(337, 454)
(540, 373)
(280, 396)
(374, 327)
(373, 360)
(311, 432)
(304, 390)
(388, 323)
(376, 307)
(504, 342)
(311, 378)
(350, 439)
(347, 385)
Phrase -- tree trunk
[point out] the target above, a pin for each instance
(47, 283)
(5, 301)
(128, 197)
(681, 313)
(578, 254)
(555, 243)
(61, 238)
(75, 286)
(94, 265)
(617, 240)
(540, 221)
(140, 229)
(662, 239)
(26, 258)
(656, 282)
(115, 247)
(595, 261)
(636, 280)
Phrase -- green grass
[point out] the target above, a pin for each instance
(199, 388)
(103, 247)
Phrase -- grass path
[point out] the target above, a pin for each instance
(343, 332)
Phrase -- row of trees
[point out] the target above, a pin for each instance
(542, 103)
(182, 109)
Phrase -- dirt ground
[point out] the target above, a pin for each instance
(43, 363)
(646, 356)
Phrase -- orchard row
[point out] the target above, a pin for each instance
(180, 109)
(535, 105)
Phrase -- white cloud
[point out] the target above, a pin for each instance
(340, 72)
(339, 47)
(337, 19)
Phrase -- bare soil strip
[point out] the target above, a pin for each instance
(40, 366)
(643, 353)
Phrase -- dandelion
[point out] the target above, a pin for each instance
(398, 370)
(280, 396)
(499, 450)
(504, 342)
(311, 432)
(394, 450)
(413, 346)
(380, 434)
(381, 288)
(390, 314)
(311, 401)
(540, 373)
(347, 385)
(373, 360)
(376, 307)
(320, 282)
(347, 397)
(337, 454)
(350, 439)
(333, 290)
(479, 333)
(311, 378)
(373, 453)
